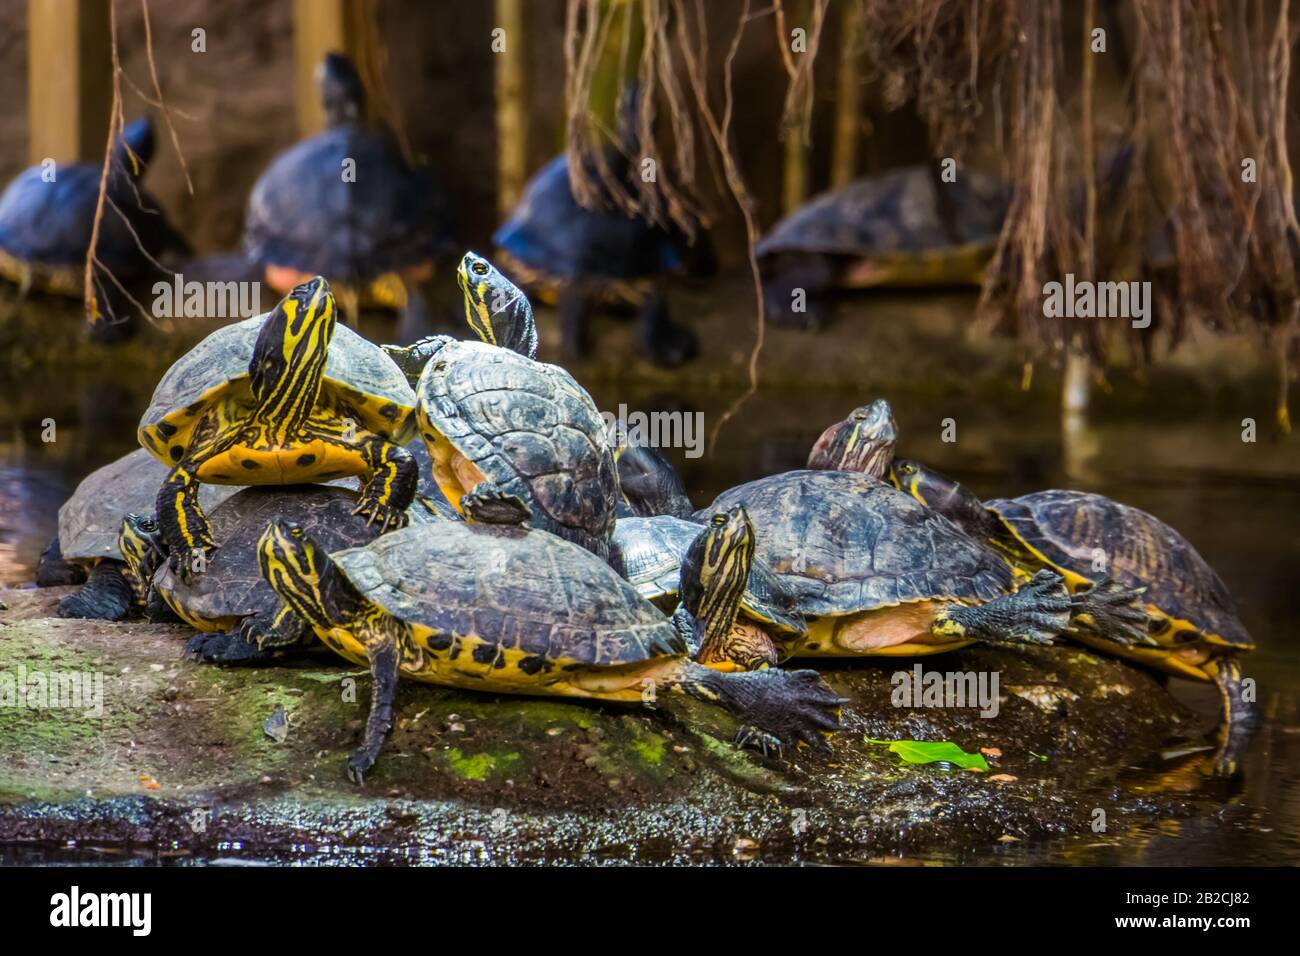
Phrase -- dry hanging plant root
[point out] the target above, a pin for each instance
(675, 42)
(95, 290)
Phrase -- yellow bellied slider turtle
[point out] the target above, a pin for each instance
(47, 216)
(875, 573)
(903, 228)
(579, 258)
(87, 540)
(239, 617)
(510, 610)
(1193, 622)
(374, 235)
(281, 398)
(494, 419)
(649, 553)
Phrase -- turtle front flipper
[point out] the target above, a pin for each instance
(1112, 612)
(1035, 614)
(259, 639)
(106, 596)
(390, 487)
(185, 527)
(1238, 717)
(776, 707)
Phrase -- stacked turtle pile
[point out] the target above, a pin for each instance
(497, 543)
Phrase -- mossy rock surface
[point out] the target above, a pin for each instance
(180, 759)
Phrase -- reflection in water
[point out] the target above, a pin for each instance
(1237, 502)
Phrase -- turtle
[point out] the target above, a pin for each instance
(578, 257)
(374, 234)
(240, 618)
(85, 549)
(1108, 611)
(648, 484)
(494, 606)
(649, 553)
(47, 216)
(1194, 628)
(495, 420)
(282, 398)
(903, 228)
(875, 572)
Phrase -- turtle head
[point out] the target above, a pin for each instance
(143, 549)
(341, 91)
(940, 493)
(134, 148)
(289, 357)
(295, 567)
(863, 442)
(412, 359)
(715, 573)
(496, 309)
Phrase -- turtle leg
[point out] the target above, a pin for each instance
(158, 611)
(384, 654)
(258, 639)
(663, 340)
(1238, 716)
(1035, 614)
(776, 707)
(1112, 612)
(106, 596)
(52, 571)
(184, 525)
(488, 504)
(575, 311)
(391, 484)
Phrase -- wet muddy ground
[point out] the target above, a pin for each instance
(181, 769)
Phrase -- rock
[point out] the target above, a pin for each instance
(651, 784)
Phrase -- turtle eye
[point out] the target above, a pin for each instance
(295, 532)
(147, 525)
(480, 268)
(719, 520)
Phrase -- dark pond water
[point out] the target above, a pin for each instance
(1238, 502)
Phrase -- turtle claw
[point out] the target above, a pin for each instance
(359, 763)
(750, 736)
(1112, 612)
(387, 516)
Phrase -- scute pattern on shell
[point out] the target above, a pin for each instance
(232, 584)
(1069, 527)
(355, 367)
(650, 552)
(90, 520)
(894, 212)
(846, 543)
(533, 430)
(519, 588)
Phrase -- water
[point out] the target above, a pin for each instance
(1239, 503)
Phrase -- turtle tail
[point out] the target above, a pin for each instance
(107, 596)
(776, 707)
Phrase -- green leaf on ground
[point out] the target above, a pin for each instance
(924, 751)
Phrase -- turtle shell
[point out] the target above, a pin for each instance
(90, 520)
(1069, 528)
(231, 586)
(844, 543)
(551, 232)
(48, 223)
(896, 212)
(303, 215)
(649, 553)
(529, 428)
(508, 589)
(357, 372)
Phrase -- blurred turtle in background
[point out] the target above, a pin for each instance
(900, 229)
(579, 259)
(47, 216)
(346, 205)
